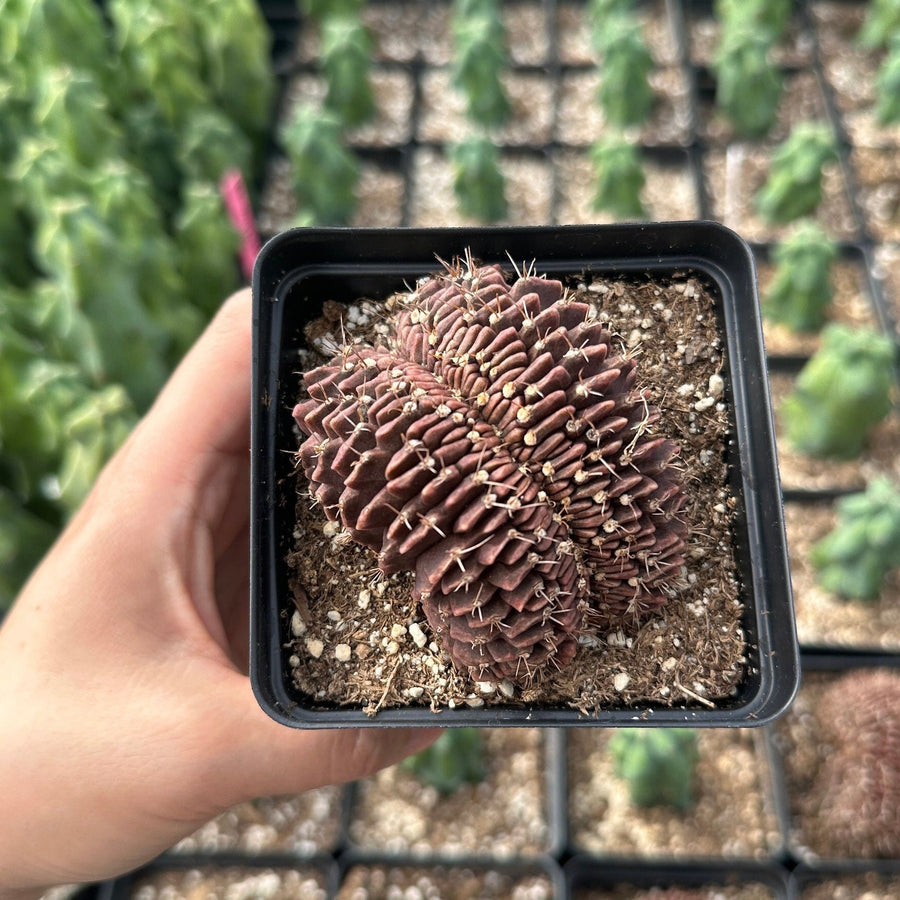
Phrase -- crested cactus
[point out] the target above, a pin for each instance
(657, 763)
(748, 86)
(857, 790)
(479, 60)
(620, 178)
(498, 446)
(454, 759)
(853, 559)
(346, 60)
(801, 290)
(625, 93)
(841, 394)
(325, 172)
(478, 182)
(794, 186)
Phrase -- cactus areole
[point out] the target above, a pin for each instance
(498, 445)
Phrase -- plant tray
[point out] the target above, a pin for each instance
(299, 269)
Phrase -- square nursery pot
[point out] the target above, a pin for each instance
(300, 277)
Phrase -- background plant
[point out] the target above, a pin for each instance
(116, 131)
(480, 59)
(748, 86)
(478, 181)
(625, 92)
(658, 764)
(346, 49)
(454, 759)
(882, 22)
(325, 173)
(619, 177)
(794, 186)
(855, 557)
(800, 292)
(841, 394)
(887, 85)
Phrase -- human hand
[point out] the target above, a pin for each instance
(127, 717)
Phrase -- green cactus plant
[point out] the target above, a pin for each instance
(771, 16)
(887, 85)
(625, 93)
(325, 173)
(600, 13)
(479, 60)
(346, 50)
(854, 558)
(748, 86)
(620, 178)
(322, 9)
(800, 292)
(454, 759)
(478, 182)
(841, 394)
(657, 763)
(794, 186)
(882, 22)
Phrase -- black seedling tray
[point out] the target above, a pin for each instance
(584, 874)
(299, 269)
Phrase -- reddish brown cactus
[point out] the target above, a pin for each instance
(497, 447)
(857, 793)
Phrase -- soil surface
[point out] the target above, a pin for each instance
(878, 175)
(822, 618)
(887, 271)
(865, 886)
(682, 892)
(353, 640)
(442, 883)
(232, 883)
(733, 813)
(394, 812)
(304, 824)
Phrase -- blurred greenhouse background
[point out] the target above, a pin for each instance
(118, 125)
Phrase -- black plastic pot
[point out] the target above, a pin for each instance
(299, 269)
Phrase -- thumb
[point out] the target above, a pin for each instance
(261, 757)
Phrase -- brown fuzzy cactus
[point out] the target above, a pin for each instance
(857, 795)
(497, 446)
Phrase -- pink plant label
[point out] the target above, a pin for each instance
(237, 204)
